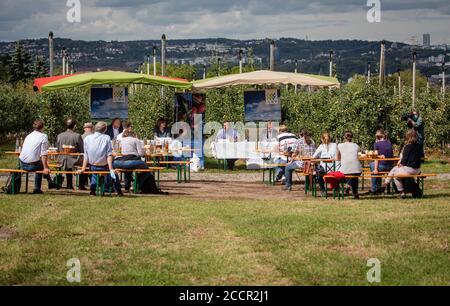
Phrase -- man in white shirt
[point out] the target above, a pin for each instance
(98, 156)
(287, 143)
(33, 156)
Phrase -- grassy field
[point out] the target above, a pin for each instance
(175, 241)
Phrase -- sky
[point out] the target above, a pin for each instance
(240, 19)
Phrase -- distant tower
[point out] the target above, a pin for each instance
(426, 40)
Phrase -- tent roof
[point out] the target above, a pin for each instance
(265, 77)
(109, 78)
(38, 83)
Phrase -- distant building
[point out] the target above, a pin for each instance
(426, 40)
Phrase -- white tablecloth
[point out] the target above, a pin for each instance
(242, 150)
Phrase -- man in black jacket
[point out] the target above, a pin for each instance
(115, 128)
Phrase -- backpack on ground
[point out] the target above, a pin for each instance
(17, 179)
(147, 184)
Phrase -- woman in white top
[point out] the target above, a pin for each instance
(347, 154)
(327, 150)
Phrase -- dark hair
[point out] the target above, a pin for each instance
(126, 124)
(411, 137)
(159, 122)
(348, 135)
(380, 134)
(38, 125)
(71, 123)
(115, 119)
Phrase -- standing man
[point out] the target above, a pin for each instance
(415, 122)
(268, 133)
(33, 156)
(98, 156)
(228, 134)
(115, 128)
(69, 138)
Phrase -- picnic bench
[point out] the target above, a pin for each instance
(420, 178)
(183, 168)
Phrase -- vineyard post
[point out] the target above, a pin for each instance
(204, 71)
(240, 60)
(272, 56)
(368, 72)
(414, 55)
(154, 60)
(51, 51)
(148, 64)
(331, 63)
(63, 71)
(399, 83)
(443, 79)
(296, 71)
(382, 63)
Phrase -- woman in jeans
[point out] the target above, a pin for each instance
(347, 154)
(327, 150)
(409, 163)
(132, 153)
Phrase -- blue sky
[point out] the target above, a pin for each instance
(242, 19)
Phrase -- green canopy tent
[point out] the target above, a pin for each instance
(109, 78)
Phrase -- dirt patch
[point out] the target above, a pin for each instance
(7, 233)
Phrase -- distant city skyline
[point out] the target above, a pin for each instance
(401, 20)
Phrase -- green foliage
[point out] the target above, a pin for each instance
(56, 106)
(39, 68)
(147, 105)
(19, 66)
(18, 108)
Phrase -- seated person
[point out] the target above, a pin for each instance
(384, 148)
(231, 135)
(161, 130)
(33, 156)
(71, 138)
(347, 154)
(98, 156)
(126, 125)
(327, 150)
(132, 153)
(114, 129)
(409, 164)
(305, 148)
(268, 133)
(286, 143)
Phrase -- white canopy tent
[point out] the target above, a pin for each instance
(265, 77)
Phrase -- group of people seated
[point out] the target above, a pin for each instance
(95, 146)
(294, 151)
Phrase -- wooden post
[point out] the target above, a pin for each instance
(204, 71)
(368, 72)
(163, 55)
(382, 63)
(443, 79)
(51, 52)
(399, 83)
(414, 57)
(331, 63)
(63, 70)
(272, 56)
(240, 60)
(296, 71)
(154, 60)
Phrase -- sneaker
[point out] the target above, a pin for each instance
(283, 180)
(37, 191)
(287, 188)
(92, 193)
(356, 197)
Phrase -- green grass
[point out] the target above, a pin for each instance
(175, 241)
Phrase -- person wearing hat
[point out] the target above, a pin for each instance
(88, 130)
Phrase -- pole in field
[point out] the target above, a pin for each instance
(67, 61)
(443, 79)
(272, 56)
(414, 58)
(382, 63)
(163, 55)
(240, 60)
(154, 60)
(63, 56)
(296, 71)
(368, 72)
(51, 52)
(399, 82)
(204, 71)
(331, 63)
(218, 66)
(428, 84)
(148, 64)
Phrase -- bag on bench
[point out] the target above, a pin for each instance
(17, 178)
(411, 186)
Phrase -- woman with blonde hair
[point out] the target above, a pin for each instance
(409, 163)
(327, 150)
